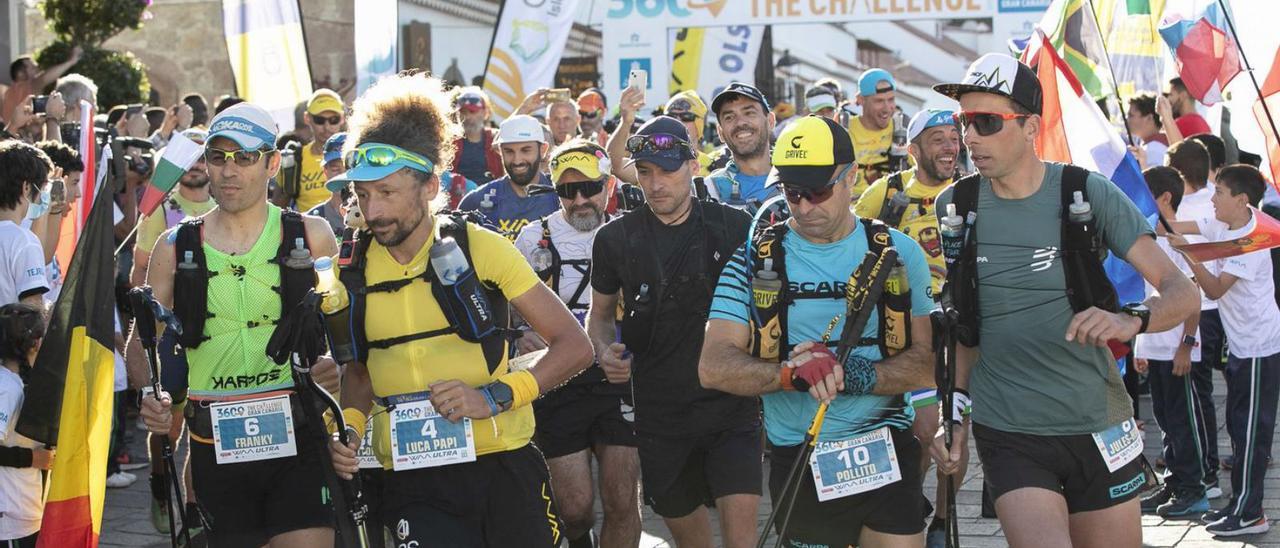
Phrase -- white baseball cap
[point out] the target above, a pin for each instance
(247, 124)
(521, 128)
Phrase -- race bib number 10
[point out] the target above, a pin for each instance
(421, 438)
(853, 466)
(246, 431)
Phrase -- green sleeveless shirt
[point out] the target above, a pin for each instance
(244, 307)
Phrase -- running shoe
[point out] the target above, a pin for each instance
(1233, 526)
(129, 462)
(1212, 490)
(1155, 500)
(1183, 504)
(120, 480)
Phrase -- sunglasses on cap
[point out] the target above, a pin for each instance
(380, 155)
(986, 123)
(587, 189)
(326, 120)
(655, 142)
(244, 158)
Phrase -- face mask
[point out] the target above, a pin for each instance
(40, 206)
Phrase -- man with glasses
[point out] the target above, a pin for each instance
(1045, 389)
(493, 489)
(823, 242)
(475, 156)
(274, 492)
(592, 109)
(524, 194)
(332, 210)
(325, 116)
(697, 447)
(689, 108)
(746, 125)
(588, 414)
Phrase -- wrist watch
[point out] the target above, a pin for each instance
(1189, 341)
(1140, 311)
(501, 393)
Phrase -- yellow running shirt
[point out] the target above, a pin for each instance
(410, 367)
(920, 225)
(871, 149)
(311, 191)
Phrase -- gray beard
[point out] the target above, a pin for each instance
(585, 224)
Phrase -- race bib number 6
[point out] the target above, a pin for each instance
(853, 466)
(421, 438)
(253, 430)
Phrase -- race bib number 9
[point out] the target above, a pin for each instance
(421, 438)
(1119, 444)
(853, 466)
(253, 430)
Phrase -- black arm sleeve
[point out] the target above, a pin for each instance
(15, 457)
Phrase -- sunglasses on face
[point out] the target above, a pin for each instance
(471, 101)
(815, 197)
(587, 189)
(589, 115)
(243, 158)
(656, 141)
(684, 116)
(380, 155)
(986, 123)
(326, 120)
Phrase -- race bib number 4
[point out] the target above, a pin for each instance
(421, 438)
(1119, 444)
(853, 466)
(246, 431)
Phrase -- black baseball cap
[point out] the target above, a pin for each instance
(808, 151)
(739, 88)
(670, 159)
(1002, 75)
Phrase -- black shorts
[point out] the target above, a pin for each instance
(501, 499)
(894, 509)
(681, 474)
(173, 366)
(1068, 465)
(577, 417)
(247, 503)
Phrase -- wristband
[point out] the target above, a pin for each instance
(488, 399)
(355, 421)
(859, 376)
(524, 387)
(786, 379)
(961, 405)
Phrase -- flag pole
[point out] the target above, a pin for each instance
(488, 56)
(1115, 85)
(1249, 69)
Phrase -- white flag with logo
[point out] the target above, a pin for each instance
(526, 51)
(375, 45)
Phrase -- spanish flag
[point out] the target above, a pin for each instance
(69, 397)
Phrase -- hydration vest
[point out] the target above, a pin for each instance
(551, 276)
(888, 215)
(769, 333)
(1082, 257)
(191, 277)
(351, 265)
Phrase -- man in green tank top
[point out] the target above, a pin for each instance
(256, 457)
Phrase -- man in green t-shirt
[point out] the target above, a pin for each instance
(1053, 424)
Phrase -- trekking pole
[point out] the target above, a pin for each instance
(864, 290)
(297, 340)
(145, 312)
(945, 320)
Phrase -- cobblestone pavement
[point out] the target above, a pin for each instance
(126, 516)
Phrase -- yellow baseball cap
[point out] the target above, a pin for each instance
(808, 151)
(325, 100)
(593, 164)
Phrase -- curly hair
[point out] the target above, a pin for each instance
(21, 328)
(62, 156)
(409, 111)
(21, 163)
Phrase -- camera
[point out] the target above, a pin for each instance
(39, 103)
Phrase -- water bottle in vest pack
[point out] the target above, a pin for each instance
(470, 309)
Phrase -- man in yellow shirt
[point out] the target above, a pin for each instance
(455, 440)
(905, 200)
(325, 116)
(872, 131)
